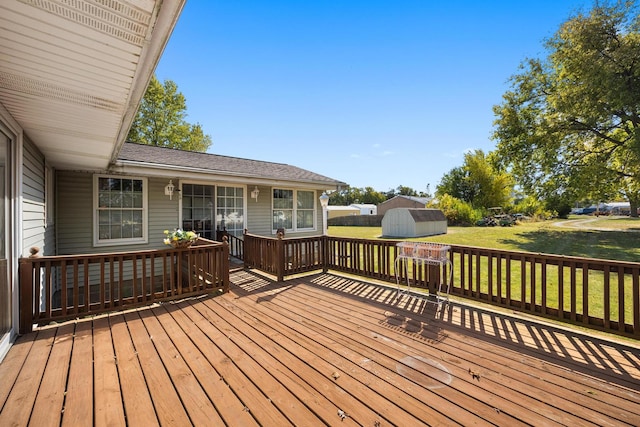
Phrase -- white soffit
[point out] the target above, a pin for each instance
(72, 72)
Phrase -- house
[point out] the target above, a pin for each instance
(406, 222)
(71, 78)
(366, 208)
(402, 202)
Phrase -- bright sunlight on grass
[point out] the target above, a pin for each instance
(611, 238)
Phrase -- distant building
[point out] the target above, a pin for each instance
(366, 209)
(402, 202)
(617, 208)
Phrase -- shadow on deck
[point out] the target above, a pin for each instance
(320, 349)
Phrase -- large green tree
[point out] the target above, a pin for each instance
(477, 182)
(569, 127)
(350, 195)
(161, 120)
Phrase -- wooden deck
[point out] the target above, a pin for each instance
(317, 350)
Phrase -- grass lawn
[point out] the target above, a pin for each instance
(615, 238)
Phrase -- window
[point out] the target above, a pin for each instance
(230, 210)
(290, 205)
(197, 209)
(120, 210)
(305, 209)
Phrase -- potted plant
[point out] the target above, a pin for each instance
(179, 238)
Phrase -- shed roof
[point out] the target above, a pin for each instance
(424, 215)
(152, 156)
(421, 200)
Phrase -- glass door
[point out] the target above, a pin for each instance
(6, 292)
(198, 209)
(230, 210)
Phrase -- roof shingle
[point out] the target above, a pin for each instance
(225, 165)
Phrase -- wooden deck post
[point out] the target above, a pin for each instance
(225, 265)
(324, 246)
(280, 259)
(26, 296)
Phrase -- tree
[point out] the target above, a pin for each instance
(352, 195)
(569, 127)
(477, 182)
(160, 120)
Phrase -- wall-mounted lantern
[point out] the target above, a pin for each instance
(169, 189)
(254, 193)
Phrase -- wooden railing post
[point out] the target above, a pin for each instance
(26, 296)
(225, 265)
(280, 259)
(324, 250)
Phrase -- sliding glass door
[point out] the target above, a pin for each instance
(207, 208)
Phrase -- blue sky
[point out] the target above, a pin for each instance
(373, 93)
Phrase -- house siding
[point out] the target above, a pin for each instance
(75, 215)
(259, 215)
(35, 232)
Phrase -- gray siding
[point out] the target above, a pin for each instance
(34, 225)
(260, 216)
(75, 214)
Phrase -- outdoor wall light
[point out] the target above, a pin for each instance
(169, 189)
(254, 193)
(324, 202)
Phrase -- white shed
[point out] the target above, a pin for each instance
(413, 222)
(365, 208)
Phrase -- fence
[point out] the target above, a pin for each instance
(63, 287)
(594, 293)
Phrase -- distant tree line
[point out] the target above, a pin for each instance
(368, 195)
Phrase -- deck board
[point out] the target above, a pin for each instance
(47, 410)
(79, 394)
(137, 401)
(322, 349)
(167, 403)
(470, 390)
(108, 408)
(17, 408)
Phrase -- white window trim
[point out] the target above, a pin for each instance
(295, 229)
(145, 213)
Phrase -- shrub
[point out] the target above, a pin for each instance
(532, 207)
(458, 212)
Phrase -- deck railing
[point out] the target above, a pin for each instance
(593, 293)
(56, 288)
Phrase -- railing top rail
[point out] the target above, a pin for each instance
(261, 237)
(283, 238)
(554, 257)
(209, 243)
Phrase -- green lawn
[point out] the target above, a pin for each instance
(620, 241)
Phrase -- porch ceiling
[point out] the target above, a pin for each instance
(72, 73)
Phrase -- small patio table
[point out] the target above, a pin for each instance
(419, 254)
